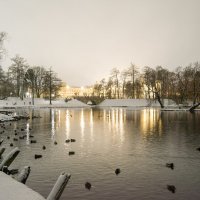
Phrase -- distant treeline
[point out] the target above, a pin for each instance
(181, 85)
(21, 79)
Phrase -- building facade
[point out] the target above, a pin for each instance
(67, 91)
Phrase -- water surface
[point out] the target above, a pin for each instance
(138, 142)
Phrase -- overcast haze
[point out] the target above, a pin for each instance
(84, 39)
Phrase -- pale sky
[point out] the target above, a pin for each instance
(84, 39)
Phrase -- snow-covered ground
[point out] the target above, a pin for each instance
(13, 190)
(133, 103)
(5, 118)
(14, 102)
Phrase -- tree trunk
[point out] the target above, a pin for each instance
(193, 107)
(33, 93)
(159, 99)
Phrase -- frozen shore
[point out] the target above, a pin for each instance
(14, 102)
(134, 103)
(4, 118)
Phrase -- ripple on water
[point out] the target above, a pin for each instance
(140, 143)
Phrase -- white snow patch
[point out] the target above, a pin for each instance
(5, 117)
(74, 103)
(132, 103)
(14, 102)
(12, 190)
(124, 103)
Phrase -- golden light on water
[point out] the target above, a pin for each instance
(91, 124)
(58, 117)
(150, 120)
(82, 123)
(52, 124)
(121, 124)
(67, 124)
(115, 119)
(27, 134)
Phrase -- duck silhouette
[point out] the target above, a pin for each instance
(38, 156)
(88, 185)
(198, 149)
(71, 153)
(117, 171)
(170, 165)
(171, 188)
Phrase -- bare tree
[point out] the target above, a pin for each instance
(108, 88)
(195, 82)
(2, 39)
(52, 85)
(40, 73)
(17, 72)
(124, 76)
(30, 78)
(132, 71)
(115, 78)
(153, 81)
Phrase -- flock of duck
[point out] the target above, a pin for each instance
(20, 134)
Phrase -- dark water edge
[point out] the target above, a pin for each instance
(139, 142)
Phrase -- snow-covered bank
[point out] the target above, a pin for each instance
(133, 103)
(12, 190)
(14, 102)
(4, 118)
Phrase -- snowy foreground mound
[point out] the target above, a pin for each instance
(13, 190)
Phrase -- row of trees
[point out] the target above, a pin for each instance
(181, 85)
(22, 79)
(124, 84)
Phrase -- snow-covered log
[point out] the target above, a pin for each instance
(1, 151)
(59, 186)
(1, 140)
(9, 158)
(23, 175)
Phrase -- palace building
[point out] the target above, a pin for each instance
(67, 91)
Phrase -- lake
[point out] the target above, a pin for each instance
(139, 142)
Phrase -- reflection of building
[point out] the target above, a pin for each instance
(70, 91)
